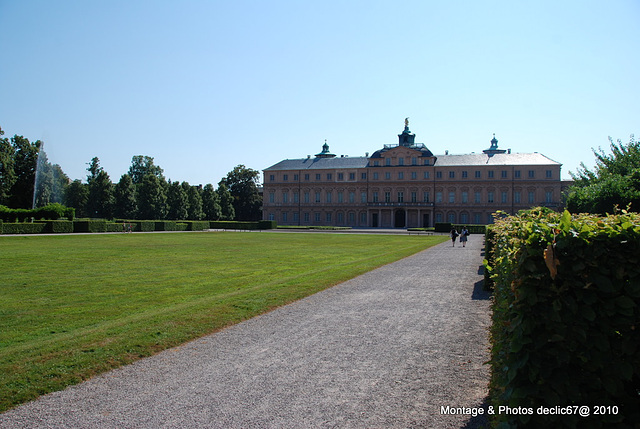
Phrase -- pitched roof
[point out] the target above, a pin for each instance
(320, 163)
(479, 159)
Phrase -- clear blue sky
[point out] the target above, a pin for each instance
(203, 86)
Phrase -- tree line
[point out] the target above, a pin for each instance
(29, 180)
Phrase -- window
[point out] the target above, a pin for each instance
(464, 218)
(548, 197)
(296, 177)
(317, 197)
(438, 217)
(375, 176)
(296, 197)
(465, 174)
(352, 197)
(387, 161)
(465, 197)
(400, 175)
(387, 197)
(490, 197)
(306, 217)
(414, 161)
(414, 175)
(306, 177)
(340, 196)
(340, 218)
(375, 197)
(400, 161)
(363, 197)
(452, 197)
(387, 175)
(477, 218)
(503, 174)
(284, 217)
(363, 176)
(401, 197)
(426, 162)
(328, 217)
(452, 217)
(340, 176)
(285, 197)
(478, 174)
(272, 216)
(549, 174)
(425, 197)
(328, 196)
(532, 174)
(318, 177)
(317, 217)
(452, 175)
(438, 174)
(296, 217)
(363, 218)
(503, 197)
(329, 176)
(426, 174)
(414, 197)
(490, 174)
(285, 177)
(477, 197)
(352, 218)
(517, 174)
(352, 176)
(306, 197)
(376, 163)
(438, 197)
(532, 197)
(516, 197)
(272, 177)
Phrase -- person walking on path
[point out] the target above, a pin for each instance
(454, 235)
(463, 236)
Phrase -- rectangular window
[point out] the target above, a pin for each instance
(438, 174)
(272, 177)
(387, 161)
(489, 197)
(317, 197)
(503, 174)
(285, 197)
(284, 217)
(387, 197)
(400, 175)
(414, 175)
(340, 176)
(401, 197)
(296, 217)
(272, 197)
(363, 218)
(414, 197)
(477, 218)
(296, 177)
(329, 176)
(503, 197)
(490, 174)
(340, 196)
(400, 161)
(352, 218)
(376, 163)
(414, 161)
(328, 217)
(272, 216)
(340, 219)
(452, 197)
(352, 176)
(285, 177)
(452, 175)
(306, 177)
(478, 175)
(438, 197)
(328, 196)
(426, 174)
(477, 197)
(438, 217)
(363, 176)
(517, 174)
(375, 176)
(306, 217)
(465, 197)
(296, 197)
(317, 217)
(549, 174)
(425, 196)
(318, 177)
(387, 175)
(516, 197)
(352, 197)
(306, 197)
(548, 197)
(363, 197)
(465, 174)
(375, 197)
(464, 218)
(532, 197)
(532, 174)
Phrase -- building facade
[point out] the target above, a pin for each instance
(405, 185)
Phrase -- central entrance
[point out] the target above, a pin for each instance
(400, 219)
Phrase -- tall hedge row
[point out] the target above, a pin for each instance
(52, 211)
(566, 319)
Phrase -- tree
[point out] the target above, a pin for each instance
(7, 172)
(176, 201)
(242, 183)
(227, 211)
(24, 165)
(142, 166)
(194, 197)
(126, 206)
(100, 201)
(210, 203)
(152, 198)
(76, 195)
(615, 181)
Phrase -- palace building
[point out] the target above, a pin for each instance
(405, 185)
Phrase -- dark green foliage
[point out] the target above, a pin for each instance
(100, 200)
(24, 228)
(59, 227)
(92, 225)
(176, 201)
(49, 212)
(126, 205)
(443, 226)
(76, 195)
(267, 224)
(226, 203)
(152, 198)
(566, 317)
(261, 224)
(197, 225)
(242, 185)
(211, 203)
(166, 225)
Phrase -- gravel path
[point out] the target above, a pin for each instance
(384, 350)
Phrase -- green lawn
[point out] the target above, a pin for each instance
(74, 306)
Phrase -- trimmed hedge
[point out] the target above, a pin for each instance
(24, 228)
(59, 226)
(443, 226)
(91, 225)
(197, 225)
(261, 224)
(52, 211)
(566, 318)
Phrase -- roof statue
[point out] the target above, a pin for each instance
(406, 122)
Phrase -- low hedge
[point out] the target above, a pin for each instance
(24, 228)
(197, 225)
(566, 319)
(261, 224)
(90, 225)
(59, 226)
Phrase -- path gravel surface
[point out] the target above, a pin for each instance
(384, 350)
